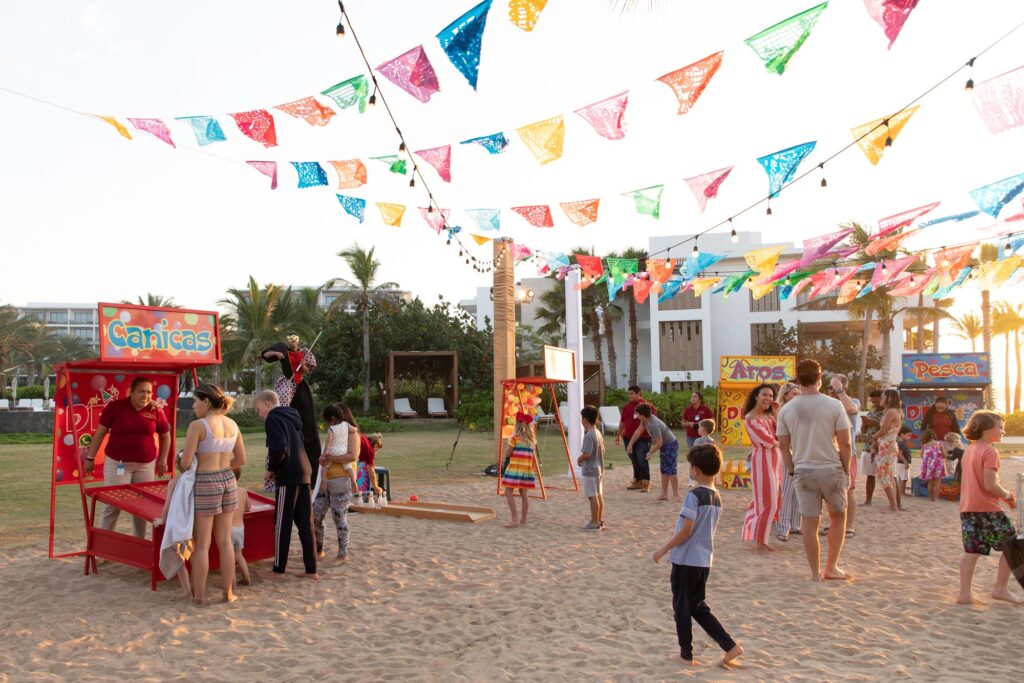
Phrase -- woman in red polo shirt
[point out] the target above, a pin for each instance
(940, 419)
(131, 450)
(694, 413)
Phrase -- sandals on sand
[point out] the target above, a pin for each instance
(850, 533)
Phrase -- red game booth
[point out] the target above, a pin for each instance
(162, 345)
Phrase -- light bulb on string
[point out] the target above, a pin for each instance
(888, 134)
(837, 276)
(824, 183)
(696, 250)
(412, 182)
(373, 97)
(401, 145)
(970, 79)
(733, 237)
(768, 212)
(1009, 246)
(884, 267)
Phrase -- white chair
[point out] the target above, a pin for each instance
(544, 418)
(610, 417)
(563, 413)
(25, 403)
(435, 407)
(4, 404)
(37, 405)
(404, 409)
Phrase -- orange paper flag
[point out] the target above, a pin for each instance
(351, 173)
(582, 212)
(872, 136)
(689, 82)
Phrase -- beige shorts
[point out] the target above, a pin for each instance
(592, 486)
(815, 485)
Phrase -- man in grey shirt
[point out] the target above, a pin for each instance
(814, 436)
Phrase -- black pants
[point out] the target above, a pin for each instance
(293, 505)
(641, 466)
(688, 603)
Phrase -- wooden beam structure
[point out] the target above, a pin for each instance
(504, 324)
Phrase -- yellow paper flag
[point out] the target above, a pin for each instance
(703, 283)
(994, 273)
(758, 291)
(525, 13)
(544, 138)
(873, 142)
(116, 124)
(391, 214)
(763, 260)
(480, 239)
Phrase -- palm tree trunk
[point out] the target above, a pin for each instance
(258, 378)
(1016, 391)
(634, 342)
(865, 341)
(886, 327)
(986, 336)
(920, 323)
(366, 358)
(595, 338)
(1006, 370)
(609, 340)
(935, 335)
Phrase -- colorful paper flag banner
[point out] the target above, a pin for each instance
(591, 266)
(353, 206)
(943, 292)
(849, 291)
(781, 271)
(700, 285)
(826, 281)
(689, 82)
(257, 125)
(816, 247)
(781, 166)
(777, 44)
(693, 267)
(267, 168)
(647, 200)
(583, 212)
(873, 137)
(901, 220)
(620, 268)
(890, 15)
(462, 39)
(440, 158)
(795, 286)
(607, 116)
(350, 93)
(412, 72)
(888, 243)
(520, 252)
(950, 261)
(351, 173)
(544, 138)
(670, 289)
(538, 216)
(994, 273)
(495, 143)
(1000, 101)
(887, 271)
(391, 214)
(705, 186)
(481, 239)
(957, 217)
(992, 198)
(396, 164)
(154, 127)
(206, 129)
(309, 110)
(763, 260)
(525, 13)
(912, 285)
(311, 173)
(116, 124)
(1012, 245)
(660, 269)
(486, 219)
(759, 290)
(641, 290)
(437, 219)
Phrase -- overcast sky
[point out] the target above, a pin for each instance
(90, 216)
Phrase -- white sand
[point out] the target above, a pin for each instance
(442, 601)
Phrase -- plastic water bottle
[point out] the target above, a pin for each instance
(383, 500)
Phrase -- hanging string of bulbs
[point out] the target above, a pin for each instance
(479, 265)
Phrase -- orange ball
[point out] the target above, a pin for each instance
(413, 498)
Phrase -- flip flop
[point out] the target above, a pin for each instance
(850, 533)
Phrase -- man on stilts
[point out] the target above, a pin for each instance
(294, 391)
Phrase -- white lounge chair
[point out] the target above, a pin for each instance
(37, 405)
(403, 409)
(435, 407)
(5, 403)
(610, 417)
(544, 418)
(25, 403)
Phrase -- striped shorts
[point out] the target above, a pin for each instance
(215, 492)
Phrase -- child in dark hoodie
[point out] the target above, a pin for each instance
(288, 466)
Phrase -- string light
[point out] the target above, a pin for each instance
(970, 79)
(888, 134)
(733, 237)
(412, 182)
(837, 273)
(373, 97)
(696, 250)
(768, 212)
(340, 30)
(1009, 246)
(824, 183)
(884, 267)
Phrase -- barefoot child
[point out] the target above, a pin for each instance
(661, 438)
(178, 551)
(903, 460)
(932, 468)
(238, 529)
(518, 471)
(984, 525)
(954, 455)
(690, 550)
(591, 462)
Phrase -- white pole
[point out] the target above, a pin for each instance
(574, 341)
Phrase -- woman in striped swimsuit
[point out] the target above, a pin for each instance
(213, 438)
(765, 466)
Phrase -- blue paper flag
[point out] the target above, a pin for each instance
(495, 143)
(958, 217)
(1013, 244)
(864, 292)
(693, 267)
(614, 287)
(992, 198)
(943, 292)
(670, 289)
(205, 128)
(461, 41)
(311, 174)
(353, 206)
(781, 166)
(486, 219)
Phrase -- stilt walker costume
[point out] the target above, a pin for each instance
(293, 389)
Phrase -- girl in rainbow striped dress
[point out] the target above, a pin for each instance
(518, 473)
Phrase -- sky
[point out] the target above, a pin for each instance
(90, 216)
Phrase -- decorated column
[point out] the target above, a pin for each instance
(504, 323)
(574, 342)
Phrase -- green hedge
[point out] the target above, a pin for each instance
(1014, 424)
(476, 410)
(31, 391)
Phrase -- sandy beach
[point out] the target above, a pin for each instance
(428, 600)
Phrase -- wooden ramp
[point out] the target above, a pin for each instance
(424, 510)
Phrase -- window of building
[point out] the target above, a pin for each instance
(83, 317)
(33, 315)
(86, 334)
(763, 332)
(681, 346)
(57, 317)
(684, 301)
(767, 303)
(329, 299)
(681, 386)
(825, 303)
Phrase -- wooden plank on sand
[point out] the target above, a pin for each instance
(427, 510)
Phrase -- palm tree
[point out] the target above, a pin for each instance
(968, 327)
(364, 269)
(634, 338)
(12, 338)
(153, 300)
(1009, 319)
(939, 305)
(550, 312)
(36, 345)
(986, 254)
(68, 347)
(252, 324)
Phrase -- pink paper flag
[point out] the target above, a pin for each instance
(267, 168)
(902, 220)
(705, 186)
(888, 271)
(1000, 101)
(154, 127)
(413, 73)
(781, 271)
(440, 158)
(607, 115)
(949, 262)
(308, 109)
(913, 284)
(538, 216)
(816, 247)
(257, 125)
(689, 82)
(582, 212)
(887, 243)
(351, 173)
(890, 15)
(436, 219)
(826, 281)
(520, 252)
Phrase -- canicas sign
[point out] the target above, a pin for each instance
(756, 369)
(165, 335)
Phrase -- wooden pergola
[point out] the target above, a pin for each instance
(450, 358)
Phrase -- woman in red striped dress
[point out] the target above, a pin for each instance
(765, 466)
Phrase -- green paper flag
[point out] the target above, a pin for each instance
(647, 200)
(777, 44)
(350, 93)
(396, 164)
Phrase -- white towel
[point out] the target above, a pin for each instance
(176, 546)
